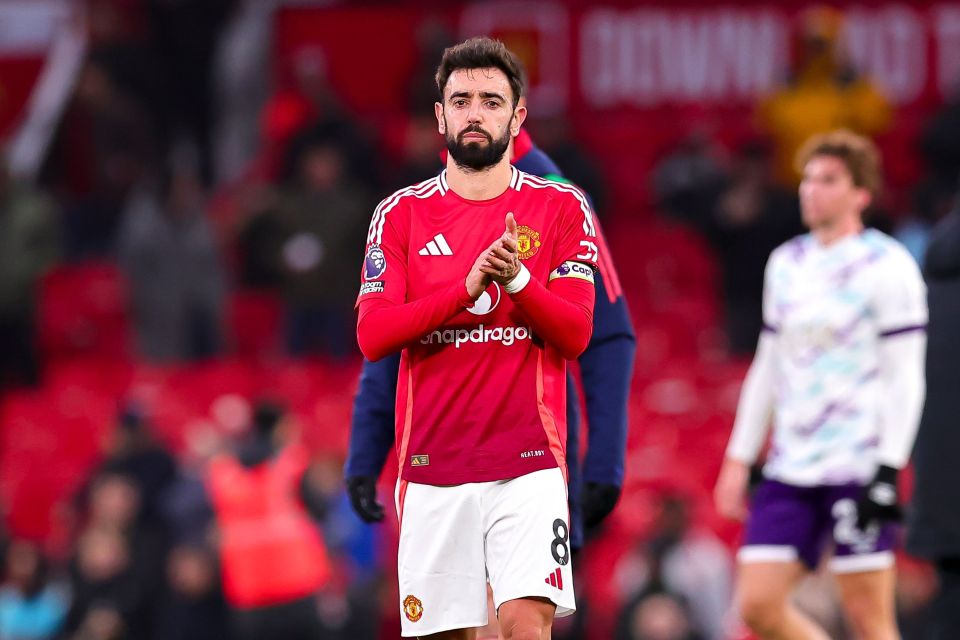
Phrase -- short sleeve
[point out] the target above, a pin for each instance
(383, 274)
(576, 232)
(900, 297)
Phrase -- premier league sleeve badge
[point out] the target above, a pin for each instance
(375, 263)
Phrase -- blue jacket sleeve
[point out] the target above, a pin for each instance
(605, 368)
(605, 371)
(372, 424)
(537, 163)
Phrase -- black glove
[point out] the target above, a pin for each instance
(363, 498)
(879, 500)
(598, 500)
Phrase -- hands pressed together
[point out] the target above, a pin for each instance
(499, 263)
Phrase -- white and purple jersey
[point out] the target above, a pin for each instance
(830, 308)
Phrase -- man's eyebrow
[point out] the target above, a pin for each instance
(486, 95)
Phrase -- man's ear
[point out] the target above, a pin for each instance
(519, 115)
(441, 123)
(864, 199)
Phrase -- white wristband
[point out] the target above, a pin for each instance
(519, 281)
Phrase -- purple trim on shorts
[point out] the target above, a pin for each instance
(769, 328)
(901, 330)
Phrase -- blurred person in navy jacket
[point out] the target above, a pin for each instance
(934, 522)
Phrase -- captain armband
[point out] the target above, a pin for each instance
(573, 269)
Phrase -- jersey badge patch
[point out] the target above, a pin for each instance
(375, 263)
(419, 461)
(413, 608)
(528, 242)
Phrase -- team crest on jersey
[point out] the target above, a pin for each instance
(413, 608)
(375, 263)
(528, 242)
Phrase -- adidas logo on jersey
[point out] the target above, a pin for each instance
(437, 247)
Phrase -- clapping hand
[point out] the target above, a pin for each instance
(501, 261)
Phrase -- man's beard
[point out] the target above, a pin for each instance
(475, 156)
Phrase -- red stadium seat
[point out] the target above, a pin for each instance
(49, 441)
(255, 321)
(83, 312)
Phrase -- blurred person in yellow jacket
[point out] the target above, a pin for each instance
(823, 93)
(273, 559)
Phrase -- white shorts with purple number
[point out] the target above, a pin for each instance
(789, 523)
(513, 534)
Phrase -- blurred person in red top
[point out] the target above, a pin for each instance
(272, 556)
(483, 278)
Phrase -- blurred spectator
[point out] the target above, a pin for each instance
(930, 204)
(31, 608)
(420, 159)
(940, 145)
(28, 246)
(272, 557)
(306, 110)
(103, 621)
(119, 44)
(322, 217)
(194, 607)
(934, 523)
(685, 560)
(656, 615)
(688, 180)
(938, 190)
(185, 34)
(744, 216)
(432, 36)
(170, 257)
(555, 136)
(185, 506)
(135, 454)
(106, 596)
(241, 82)
(822, 93)
(121, 552)
(102, 148)
(347, 610)
(916, 593)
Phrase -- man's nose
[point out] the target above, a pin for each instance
(473, 115)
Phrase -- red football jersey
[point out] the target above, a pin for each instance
(481, 398)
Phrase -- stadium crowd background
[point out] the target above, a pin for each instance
(183, 199)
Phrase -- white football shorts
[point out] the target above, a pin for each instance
(454, 539)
